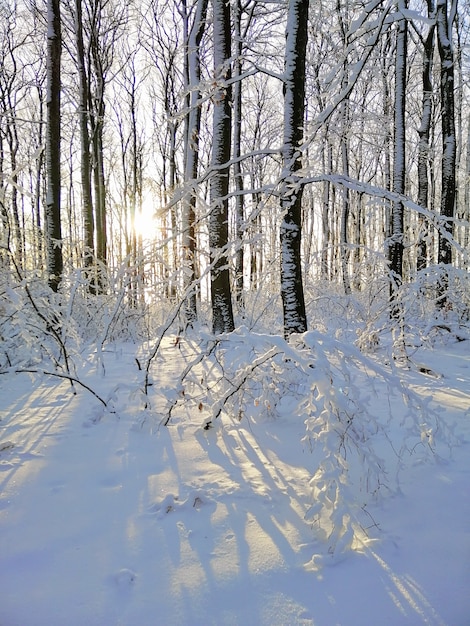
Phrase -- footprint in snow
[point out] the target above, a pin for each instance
(6, 445)
(165, 506)
(124, 578)
(171, 503)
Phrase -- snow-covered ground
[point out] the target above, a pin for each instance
(113, 519)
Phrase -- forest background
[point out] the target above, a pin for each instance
(284, 186)
(195, 154)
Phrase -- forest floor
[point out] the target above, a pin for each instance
(111, 518)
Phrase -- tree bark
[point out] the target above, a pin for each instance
(193, 62)
(53, 224)
(85, 157)
(446, 54)
(295, 319)
(399, 143)
(221, 299)
(423, 148)
(344, 147)
(237, 170)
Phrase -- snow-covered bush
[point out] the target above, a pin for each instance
(40, 327)
(30, 324)
(427, 316)
(330, 386)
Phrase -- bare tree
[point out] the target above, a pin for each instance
(85, 142)
(221, 299)
(444, 42)
(399, 144)
(126, 107)
(53, 212)
(295, 318)
(237, 148)
(193, 129)
(102, 23)
(424, 138)
(10, 84)
(345, 122)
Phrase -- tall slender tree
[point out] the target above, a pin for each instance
(444, 42)
(292, 293)
(344, 147)
(102, 28)
(53, 221)
(193, 127)
(221, 298)
(399, 143)
(10, 67)
(424, 138)
(237, 141)
(85, 156)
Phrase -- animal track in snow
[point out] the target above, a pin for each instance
(170, 503)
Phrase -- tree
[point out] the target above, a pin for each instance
(221, 298)
(126, 107)
(100, 61)
(444, 43)
(193, 128)
(237, 146)
(424, 137)
(399, 145)
(85, 156)
(53, 221)
(162, 41)
(96, 43)
(295, 318)
(10, 70)
(344, 147)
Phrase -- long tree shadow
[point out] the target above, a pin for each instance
(29, 426)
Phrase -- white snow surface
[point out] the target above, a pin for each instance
(110, 518)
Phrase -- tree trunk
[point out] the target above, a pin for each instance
(327, 161)
(444, 43)
(53, 225)
(99, 186)
(466, 233)
(85, 157)
(13, 145)
(221, 300)
(344, 146)
(96, 105)
(423, 148)
(295, 319)
(396, 241)
(193, 128)
(237, 170)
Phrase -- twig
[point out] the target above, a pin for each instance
(72, 379)
(217, 410)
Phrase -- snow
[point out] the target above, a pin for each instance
(110, 518)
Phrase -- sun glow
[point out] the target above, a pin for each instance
(146, 221)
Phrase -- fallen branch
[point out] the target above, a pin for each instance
(72, 379)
